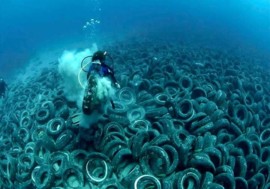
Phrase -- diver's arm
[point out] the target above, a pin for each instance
(113, 79)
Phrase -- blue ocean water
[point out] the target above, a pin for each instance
(182, 101)
(30, 25)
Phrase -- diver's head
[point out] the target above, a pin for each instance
(99, 55)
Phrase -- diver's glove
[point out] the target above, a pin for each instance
(117, 85)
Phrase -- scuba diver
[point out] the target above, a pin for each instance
(97, 70)
(3, 87)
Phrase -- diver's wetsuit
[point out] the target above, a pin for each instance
(90, 100)
(3, 87)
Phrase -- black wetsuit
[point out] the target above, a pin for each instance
(3, 87)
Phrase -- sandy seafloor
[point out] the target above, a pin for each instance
(186, 117)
